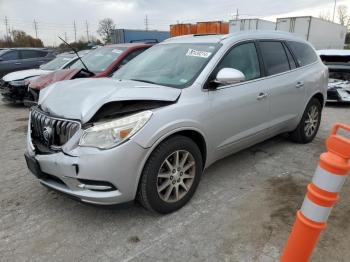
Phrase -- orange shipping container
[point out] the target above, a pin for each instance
(215, 27)
(180, 29)
(193, 29)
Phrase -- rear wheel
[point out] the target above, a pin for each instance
(171, 175)
(309, 123)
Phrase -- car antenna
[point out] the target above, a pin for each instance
(75, 51)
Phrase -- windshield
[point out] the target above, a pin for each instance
(57, 63)
(100, 59)
(174, 65)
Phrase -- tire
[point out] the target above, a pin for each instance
(302, 134)
(158, 173)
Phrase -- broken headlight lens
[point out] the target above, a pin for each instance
(110, 134)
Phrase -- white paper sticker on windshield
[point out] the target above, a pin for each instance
(196, 53)
(117, 51)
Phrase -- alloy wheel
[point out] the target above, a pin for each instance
(311, 121)
(176, 176)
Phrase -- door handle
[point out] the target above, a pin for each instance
(261, 96)
(299, 84)
(17, 63)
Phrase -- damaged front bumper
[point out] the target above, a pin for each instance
(14, 94)
(338, 95)
(338, 91)
(103, 177)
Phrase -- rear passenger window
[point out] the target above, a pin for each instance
(292, 64)
(12, 55)
(274, 56)
(303, 52)
(243, 58)
(26, 54)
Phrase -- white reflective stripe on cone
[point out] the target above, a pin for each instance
(315, 212)
(328, 181)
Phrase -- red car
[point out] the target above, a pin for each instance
(102, 62)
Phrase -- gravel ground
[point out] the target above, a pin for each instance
(243, 210)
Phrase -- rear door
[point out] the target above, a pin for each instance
(33, 58)
(10, 61)
(284, 82)
(239, 112)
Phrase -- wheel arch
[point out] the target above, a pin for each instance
(194, 134)
(319, 96)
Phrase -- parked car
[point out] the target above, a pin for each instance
(14, 86)
(15, 59)
(150, 130)
(101, 62)
(338, 63)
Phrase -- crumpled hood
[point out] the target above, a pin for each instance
(55, 76)
(23, 74)
(80, 99)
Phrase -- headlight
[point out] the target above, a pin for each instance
(110, 134)
(17, 83)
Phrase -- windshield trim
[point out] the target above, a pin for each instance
(195, 76)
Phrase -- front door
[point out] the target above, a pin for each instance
(240, 111)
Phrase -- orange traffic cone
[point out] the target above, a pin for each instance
(322, 194)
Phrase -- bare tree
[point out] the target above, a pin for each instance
(343, 15)
(105, 28)
(325, 15)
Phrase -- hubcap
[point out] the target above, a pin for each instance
(311, 122)
(176, 176)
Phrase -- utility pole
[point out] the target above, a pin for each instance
(237, 15)
(65, 36)
(146, 23)
(75, 32)
(335, 4)
(36, 28)
(87, 30)
(7, 30)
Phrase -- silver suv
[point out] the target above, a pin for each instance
(151, 130)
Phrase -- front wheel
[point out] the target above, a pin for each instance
(309, 123)
(171, 175)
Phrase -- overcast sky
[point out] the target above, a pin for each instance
(56, 17)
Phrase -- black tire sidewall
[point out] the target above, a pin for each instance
(150, 173)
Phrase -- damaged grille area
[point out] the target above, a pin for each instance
(50, 132)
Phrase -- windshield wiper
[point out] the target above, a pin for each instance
(144, 81)
(76, 52)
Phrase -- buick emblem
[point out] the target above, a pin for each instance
(47, 134)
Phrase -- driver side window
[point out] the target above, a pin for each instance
(244, 58)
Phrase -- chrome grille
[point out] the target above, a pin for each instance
(50, 131)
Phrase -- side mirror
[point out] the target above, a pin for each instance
(228, 76)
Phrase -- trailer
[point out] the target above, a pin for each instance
(320, 33)
(120, 36)
(250, 24)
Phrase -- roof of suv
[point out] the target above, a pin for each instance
(129, 45)
(233, 37)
